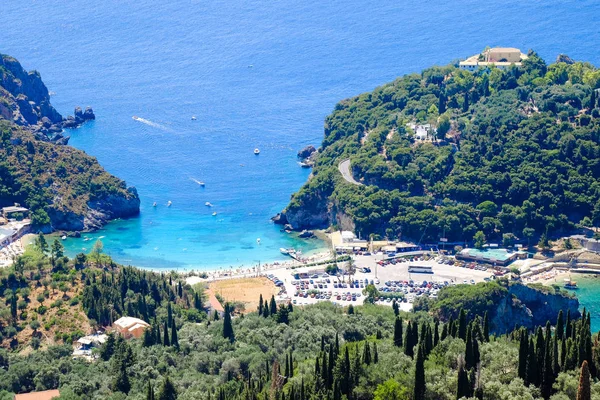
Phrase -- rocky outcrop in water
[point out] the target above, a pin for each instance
(306, 152)
(25, 100)
(67, 190)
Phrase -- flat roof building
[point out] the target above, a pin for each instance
(501, 57)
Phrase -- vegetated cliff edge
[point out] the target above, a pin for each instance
(507, 304)
(509, 152)
(64, 188)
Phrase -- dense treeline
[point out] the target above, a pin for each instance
(516, 155)
(316, 352)
(51, 180)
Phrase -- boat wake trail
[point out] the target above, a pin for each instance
(151, 123)
(197, 181)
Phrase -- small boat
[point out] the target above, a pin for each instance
(285, 251)
(258, 240)
(63, 237)
(256, 151)
(169, 203)
(201, 184)
(136, 118)
(154, 204)
(571, 285)
(207, 204)
(193, 117)
(214, 214)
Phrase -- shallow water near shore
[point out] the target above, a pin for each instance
(256, 75)
(588, 293)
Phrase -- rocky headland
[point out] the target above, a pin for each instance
(64, 188)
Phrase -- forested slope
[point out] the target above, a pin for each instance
(516, 154)
(65, 188)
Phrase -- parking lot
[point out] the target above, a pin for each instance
(391, 277)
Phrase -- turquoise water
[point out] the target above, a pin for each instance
(588, 293)
(255, 74)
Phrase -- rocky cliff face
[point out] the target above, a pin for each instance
(530, 307)
(64, 188)
(25, 100)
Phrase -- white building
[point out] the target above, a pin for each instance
(422, 131)
(501, 57)
(130, 326)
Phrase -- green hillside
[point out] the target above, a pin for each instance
(516, 154)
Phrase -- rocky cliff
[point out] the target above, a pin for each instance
(64, 188)
(25, 101)
(507, 304)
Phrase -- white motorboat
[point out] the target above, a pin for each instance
(256, 151)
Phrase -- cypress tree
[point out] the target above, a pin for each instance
(444, 332)
(563, 354)
(167, 390)
(486, 326)
(317, 368)
(462, 324)
(367, 354)
(532, 370)
(166, 341)
(593, 99)
(584, 391)
(463, 387)
(322, 343)
(571, 359)
(415, 334)
(569, 327)
(398, 332)
(260, 305)
(337, 344)
(419, 388)
(442, 103)
(523, 353)
(121, 382)
(469, 356)
(331, 366)
(148, 338)
(169, 314)
(324, 369)
(291, 364)
(559, 331)
(540, 351)
(428, 340)
(408, 345)
(450, 324)
(150, 392)
(346, 380)
(375, 354)
(548, 373)
(174, 340)
(273, 307)
(476, 353)
(436, 333)
(287, 366)
(555, 359)
(395, 308)
(227, 326)
(465, 106)
(266, 310)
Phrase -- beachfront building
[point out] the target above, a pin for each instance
(494, 256)
(350, 242)
(130, 327)
(15, 212)
(500, 57)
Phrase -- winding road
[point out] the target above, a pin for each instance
(344, 168)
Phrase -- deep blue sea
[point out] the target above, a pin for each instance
(256, 74)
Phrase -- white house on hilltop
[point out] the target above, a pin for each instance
(501, 57)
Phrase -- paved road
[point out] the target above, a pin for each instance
(344, 168)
